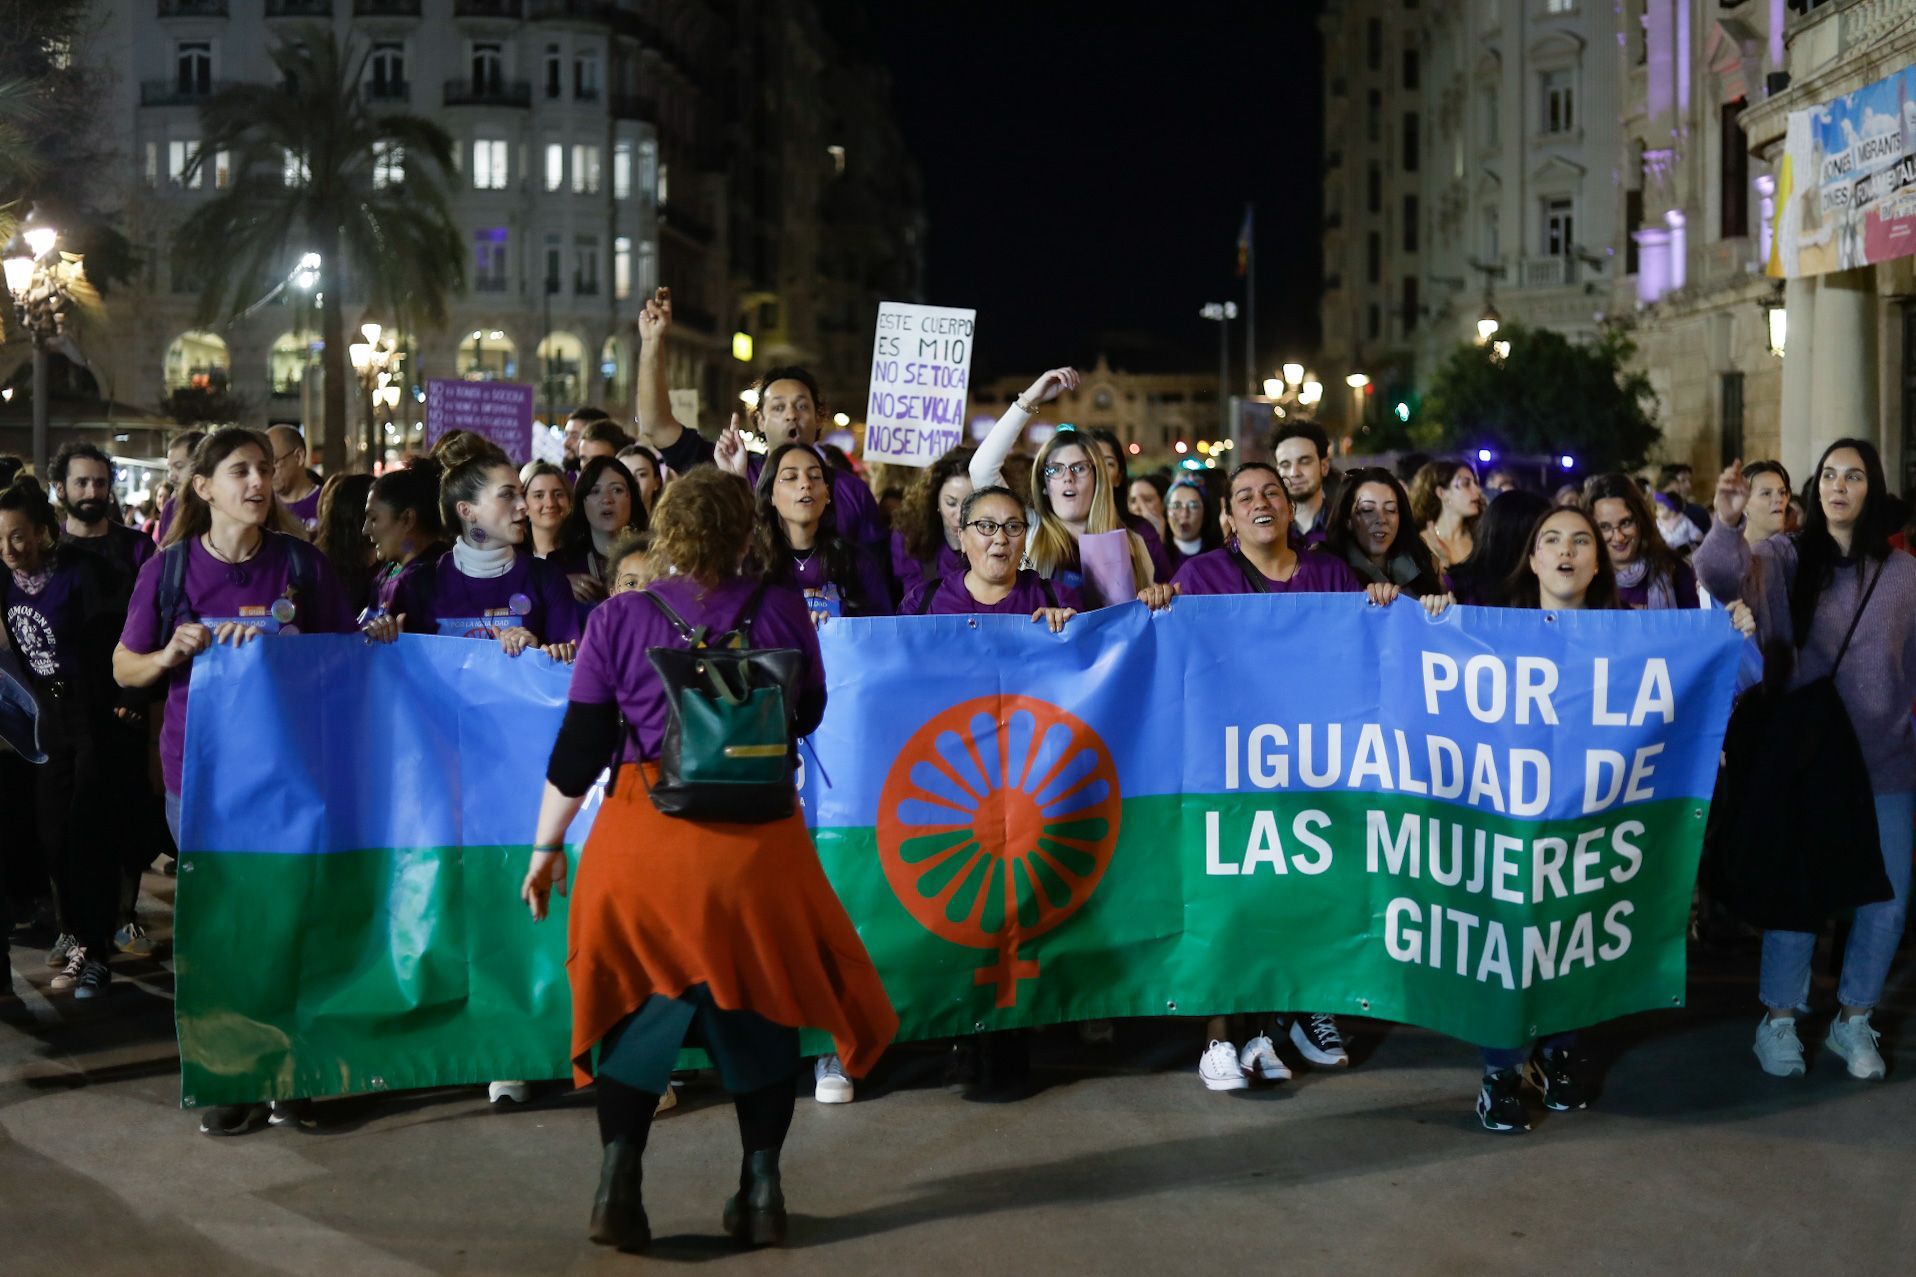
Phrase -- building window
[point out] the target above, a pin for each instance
(1732, 440)
(1733, 173)
(1493, 240)
(554, 252)
(555, 71)
(664, 184)
(488, 68)
(1559, 6)
(1487, 98)
(1559, 226)
(1559, 102)
(1374, 189)
(585, 77)
(389, 165)
(388, 70)
(489, 164)
(1374, 44)
(555, 166)
(1632, 223)
(1373, 257)
(622, 267)
(193, 59)
(622, 171)
(1410, 304)
(1411, 147)
(152, 169)
(585, 275)
(1374, 321)
(178, 156)
(585, 170)
(490, 259)
(1411, 69)
(1410, 223)
(294, 171)
(1373, 115)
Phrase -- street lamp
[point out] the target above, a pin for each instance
(376, 360)
(1294, 374)
(39, 280)
(1488, 324)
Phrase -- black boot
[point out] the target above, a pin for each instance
(618, 1212)
(755, 1216)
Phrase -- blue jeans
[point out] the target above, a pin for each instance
(172, 815)
(1873, 937)
(1497, 1057)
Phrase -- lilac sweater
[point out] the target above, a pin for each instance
(1877, 680)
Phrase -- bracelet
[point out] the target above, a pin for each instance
(1019, 404)
(539, 848)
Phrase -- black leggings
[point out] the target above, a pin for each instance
(764, 1115)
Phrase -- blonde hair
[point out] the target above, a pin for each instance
(1051, 541)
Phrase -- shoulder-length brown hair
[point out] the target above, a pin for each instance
(1663, 561)
(193, 517)
(919, 520)
(1426, 489)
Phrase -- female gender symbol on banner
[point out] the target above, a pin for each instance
(996, 823)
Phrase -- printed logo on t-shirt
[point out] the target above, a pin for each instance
(257, 617)
(485, 626)
(34, 637)
(825, 600)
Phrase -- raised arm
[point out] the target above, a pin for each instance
(653, 405)
(988, 463)
(1722, 561)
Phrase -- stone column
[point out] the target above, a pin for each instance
(1799, 345)
(1843, 393)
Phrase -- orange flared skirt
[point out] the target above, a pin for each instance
(662, 903)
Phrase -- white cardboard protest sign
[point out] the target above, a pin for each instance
(921, 370)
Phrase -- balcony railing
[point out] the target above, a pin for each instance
(1547, 272)
(387, 91)
(586, 10)
(386, 8)
(299, 8)
(490, 284)
(192, 8)
(631, 106)
(171, 92)
(486, 8)
(489, 93)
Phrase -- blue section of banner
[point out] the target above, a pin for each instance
(1164, 691)
(276, 775)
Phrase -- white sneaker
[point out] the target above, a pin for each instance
(669, 1100)
(1856, 1042)
(1778, 1049)
(1317, 1039)
(1219, 1068)
(70, 974)
(507, 1092)
(1260, 1057)
(833, 1086)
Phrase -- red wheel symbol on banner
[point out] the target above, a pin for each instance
(996, 823)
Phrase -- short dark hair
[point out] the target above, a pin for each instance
(602, 429)
(187, 439)
(70, 452)
(979, 494)
(1302, 430)
(1756, 468)
(1669, 474)
(588, 414)
(10, 467)
(786, 372)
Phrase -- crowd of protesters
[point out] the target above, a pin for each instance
(106, 612)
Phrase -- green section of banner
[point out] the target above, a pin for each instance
(387, 970)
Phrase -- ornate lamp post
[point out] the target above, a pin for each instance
(40, 280)
(376, 360)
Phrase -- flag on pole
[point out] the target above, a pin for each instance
(1244, 245)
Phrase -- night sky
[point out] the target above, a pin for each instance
(1086, 168)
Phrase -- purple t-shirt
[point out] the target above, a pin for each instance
(166, 519)
(530, 594)
(217, 592)
(1217, 572)
(869, 594)
(306, 510)
(909, 572)
(612, 668)
(390, 581)
(949, 597)
(45, 627)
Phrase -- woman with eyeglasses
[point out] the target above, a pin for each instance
(1370, 530)
(1446, 502)
(992, 583)
(928, 542)
(1072, 495)
(1649, 573)
(1191, 524)
(796, 542)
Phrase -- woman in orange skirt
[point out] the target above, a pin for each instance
(725, 935)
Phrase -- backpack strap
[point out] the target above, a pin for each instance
(692, 637)
(1843, 651)
(925, 600)
(1050, 595)
(302, 566)
(170, 598)
(1252, 577)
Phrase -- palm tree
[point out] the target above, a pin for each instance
(315, 171)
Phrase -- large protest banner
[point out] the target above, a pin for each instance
(1846, 187)
(1487, 824)
(921, 373)
(499, 410)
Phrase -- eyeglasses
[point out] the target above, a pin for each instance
(988, 528)
(1185, 506)
(1077, 470)
(281, 458)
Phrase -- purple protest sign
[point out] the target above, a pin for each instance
(499, 410)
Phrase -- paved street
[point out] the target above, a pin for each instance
(1694, 1162)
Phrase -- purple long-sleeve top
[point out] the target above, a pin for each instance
(1877, 679)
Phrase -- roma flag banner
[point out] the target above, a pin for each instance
(1487, 824)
